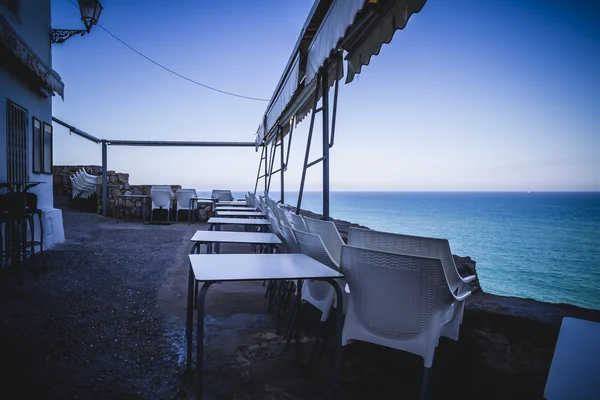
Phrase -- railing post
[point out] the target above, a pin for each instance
(104, 179)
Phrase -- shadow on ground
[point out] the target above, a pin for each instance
(107, 321)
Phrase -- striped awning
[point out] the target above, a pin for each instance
(12, 45)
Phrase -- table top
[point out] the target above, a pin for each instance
(258, 267)
(241, 213)
(238, 221)
(213, 199)
(232, 208)
(235, 237)
(576, 361)
(137, 196)
(232, 203)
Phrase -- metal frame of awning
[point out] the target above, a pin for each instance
(137, 143)
(356, 28)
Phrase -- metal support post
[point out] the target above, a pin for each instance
(325, 106)
(310, 132)
(266, 169)
(104, 179)
(282, 165)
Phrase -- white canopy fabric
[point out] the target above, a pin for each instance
(393, 18)
(260, 134)
(285, 95)
(339, 17)
(360, 27)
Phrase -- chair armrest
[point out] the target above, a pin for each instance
(462, 296)
(469, 278)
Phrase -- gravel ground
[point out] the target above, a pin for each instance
(91, 327)
(106, 322)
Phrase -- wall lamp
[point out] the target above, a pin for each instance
(90, 13)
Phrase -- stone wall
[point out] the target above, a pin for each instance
(118, 184)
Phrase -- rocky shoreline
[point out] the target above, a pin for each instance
(506, 340)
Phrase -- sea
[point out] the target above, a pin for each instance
(539, 245)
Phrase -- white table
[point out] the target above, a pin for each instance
(241, 214)
(125, 197)
(196, 200)
(239, 203)
(212, 268)
(214, 223)
(218, 221)
(209, 237)
(576, 361)
(233, 208)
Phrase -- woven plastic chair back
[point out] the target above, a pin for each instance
(329, 234)
(394, 295)
(413, 245)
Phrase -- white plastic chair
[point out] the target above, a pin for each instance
(297, 221)
(222, 195)
(75, 189)
(398, 301)
(161, 199)
(328, 232)
(419, 246)
(183, 197)
(86, 189)
(164, 187)
(319, 294)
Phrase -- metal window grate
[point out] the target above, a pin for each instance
(16, 143)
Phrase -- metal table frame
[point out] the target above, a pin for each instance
(196, 200)
(124, 198)
(192, 279)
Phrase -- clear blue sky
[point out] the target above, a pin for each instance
(472, 95)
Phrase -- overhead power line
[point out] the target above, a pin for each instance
(170, 70)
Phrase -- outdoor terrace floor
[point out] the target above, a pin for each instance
(108, 320)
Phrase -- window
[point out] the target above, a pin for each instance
(16, 143)
(12, 6)
(47, 151)
(38, 146)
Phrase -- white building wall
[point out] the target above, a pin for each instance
(34, 28)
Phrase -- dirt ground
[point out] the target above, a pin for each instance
(107, 321)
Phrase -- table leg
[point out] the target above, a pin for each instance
(189, 317)
(118, 210)
(145, 211)
(217, 245)
(337, 370)
(200, 341)
(298, 319)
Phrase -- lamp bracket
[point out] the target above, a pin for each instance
(60, 35)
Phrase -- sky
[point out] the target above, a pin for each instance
(492, 95)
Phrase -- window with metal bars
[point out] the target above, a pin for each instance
(16, 143)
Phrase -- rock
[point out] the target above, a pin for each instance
(466, 267)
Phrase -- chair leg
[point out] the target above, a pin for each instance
(425, 383)
(44, 267)
(318, 337)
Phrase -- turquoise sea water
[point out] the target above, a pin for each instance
(544, 246)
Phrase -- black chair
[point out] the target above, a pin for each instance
(12, 211)
(31, 210)
(17, 212)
